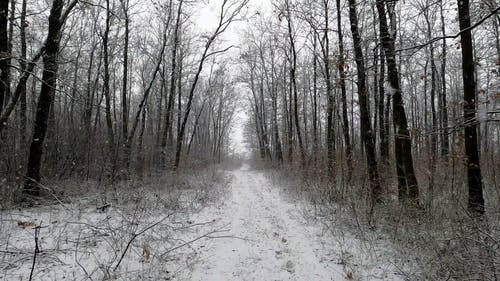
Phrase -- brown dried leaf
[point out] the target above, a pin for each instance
(26, 224)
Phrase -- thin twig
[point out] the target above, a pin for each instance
(135, 235)
(418, 47)
(37, 232)
(206, 235)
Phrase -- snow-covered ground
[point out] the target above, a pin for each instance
(268, 238)
(255, 232)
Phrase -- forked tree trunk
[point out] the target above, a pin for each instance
(330, 133)
(343, 92)
(293, 78)
(363, 97)
(31, 184)
(173, 72)
(407, 181)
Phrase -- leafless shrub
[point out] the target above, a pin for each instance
(438, 241)
(135, 229)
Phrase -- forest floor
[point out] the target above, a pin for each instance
(269, 237)
(253, 231)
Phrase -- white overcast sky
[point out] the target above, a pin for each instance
(206, 18)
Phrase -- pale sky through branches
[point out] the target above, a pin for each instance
(206, 21)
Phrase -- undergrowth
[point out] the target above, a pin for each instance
(138, 229)
(439, 240)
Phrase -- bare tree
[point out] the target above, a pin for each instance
(4, 53)
(474, 180)
(407, 181)
(56, 20)
(228, 13)
(363, 97)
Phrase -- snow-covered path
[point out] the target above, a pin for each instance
(266, 239)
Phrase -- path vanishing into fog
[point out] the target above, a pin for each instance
(266, 238)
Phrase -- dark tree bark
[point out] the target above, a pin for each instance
(315, 99)
(20, 88)
(124, 103)
(263, 119)
(343, 95)
(287, 110)
(476, 199)
(434, 132)
(364, 109)
(107, 92)
(407, 181)
(443, 107)
(22, 96)
(195, 127)
(293, 78)
(179, 94)
(9, 47)
(330, 133)
(49, 76)
(173, 73)
(143, 103)
(4, 52)
(287, 105)
(259, 109)
(274, 97)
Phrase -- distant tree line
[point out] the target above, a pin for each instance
(110, 89)
(402, 85)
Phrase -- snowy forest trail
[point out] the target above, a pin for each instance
(265, 239)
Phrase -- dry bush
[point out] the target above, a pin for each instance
(438, 241)
(133, 230)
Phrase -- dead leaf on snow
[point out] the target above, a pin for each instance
(26, 224)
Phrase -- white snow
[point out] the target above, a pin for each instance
(266, 239)
(254, 232)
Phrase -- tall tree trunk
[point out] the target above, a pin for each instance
(315, 99)
(383, 113)
(173, 73)
(343, 95)
(4, 52)
(9, 45)
(182, 128)
(195, 127)
(434, 133)
(23, 107)
(107, 94)
(263, 122)
(287, 105)
(274, 97)
(407, 181)
(143, 103)
(125, 6)
(364, 109)
(293, 70)
(443, 110)
(476, 199)
(330, 134)
(31, 186)
(179, 97)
